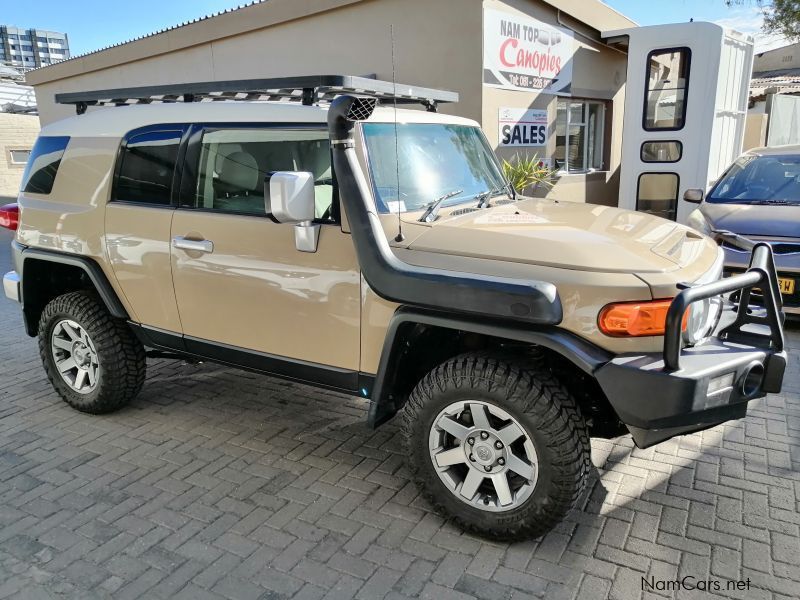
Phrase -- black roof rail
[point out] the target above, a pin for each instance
(308, 89)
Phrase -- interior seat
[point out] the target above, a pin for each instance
(237, 183)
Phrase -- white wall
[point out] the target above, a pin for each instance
(17, 132)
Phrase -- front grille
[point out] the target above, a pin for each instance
(777, 247)
(785, 248)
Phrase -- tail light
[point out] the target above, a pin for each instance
(9, 216)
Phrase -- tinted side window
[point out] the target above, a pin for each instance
(147, 165)
(45, 158)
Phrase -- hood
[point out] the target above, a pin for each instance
(569, 235)
(779, 221)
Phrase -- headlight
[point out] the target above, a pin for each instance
(703, 318)
(697, 221)
(704, 315)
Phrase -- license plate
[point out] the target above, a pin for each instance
(786, 286)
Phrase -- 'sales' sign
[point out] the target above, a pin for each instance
(522, 127)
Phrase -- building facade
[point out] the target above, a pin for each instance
(773, 118)
(27, 49)
(17, 135)
(561, 99)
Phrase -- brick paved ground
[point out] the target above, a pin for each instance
(223, 484)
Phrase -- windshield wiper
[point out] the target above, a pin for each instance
(766, 202)
(484, 197)
(433, 208)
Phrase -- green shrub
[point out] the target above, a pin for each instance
(525, 172)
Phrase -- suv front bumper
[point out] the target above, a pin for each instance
(11, 284)
(659, 396)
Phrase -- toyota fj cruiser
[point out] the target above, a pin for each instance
(380, 252)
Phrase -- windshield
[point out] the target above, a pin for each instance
(760, 180)
(428, 161)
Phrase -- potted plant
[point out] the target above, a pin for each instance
(527, 172)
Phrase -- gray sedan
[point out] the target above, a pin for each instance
(758, 197)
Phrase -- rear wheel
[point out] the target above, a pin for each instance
(93, 360)
(497, 445)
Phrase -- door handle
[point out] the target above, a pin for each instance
(182, 243)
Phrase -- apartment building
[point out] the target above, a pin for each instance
(27, 49)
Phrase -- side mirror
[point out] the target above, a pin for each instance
(289, 198)
(693, 195)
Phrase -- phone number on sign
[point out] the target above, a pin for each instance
(528, 81)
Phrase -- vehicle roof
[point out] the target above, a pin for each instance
(775, 150)
(117, 121)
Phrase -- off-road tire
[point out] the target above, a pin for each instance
(541, 405)
(121, 357)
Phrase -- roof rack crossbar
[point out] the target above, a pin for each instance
(308, 89)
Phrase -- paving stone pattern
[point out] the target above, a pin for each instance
(218, 483)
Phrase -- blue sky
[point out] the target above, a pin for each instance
(93, 24)
(746, 17)
(651, 12)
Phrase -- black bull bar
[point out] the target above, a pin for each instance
(685, 389)
(760, 274)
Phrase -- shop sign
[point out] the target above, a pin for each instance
(522, 127)
(521, 53)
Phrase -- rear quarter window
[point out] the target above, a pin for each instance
(45, 158)
(147, 166)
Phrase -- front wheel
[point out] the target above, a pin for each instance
(93, 360)
(497, 445)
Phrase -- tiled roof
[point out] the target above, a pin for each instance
(786, 81)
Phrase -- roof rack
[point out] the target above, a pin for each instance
(308, 89)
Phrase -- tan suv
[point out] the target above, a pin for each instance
(380, 252)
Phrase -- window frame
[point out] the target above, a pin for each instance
(685, 88)
(16, 163)
(160, 128)
(191, 167)
(600, 134)
(661, 162)
(677, 190)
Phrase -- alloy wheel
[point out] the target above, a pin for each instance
(483, 455)
(75, 356)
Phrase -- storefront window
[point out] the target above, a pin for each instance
(579, 135)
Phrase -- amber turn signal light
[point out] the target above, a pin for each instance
(637, 319)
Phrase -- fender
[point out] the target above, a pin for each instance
(90, 268)
(586, 356)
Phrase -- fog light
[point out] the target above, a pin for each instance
(720, 383)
